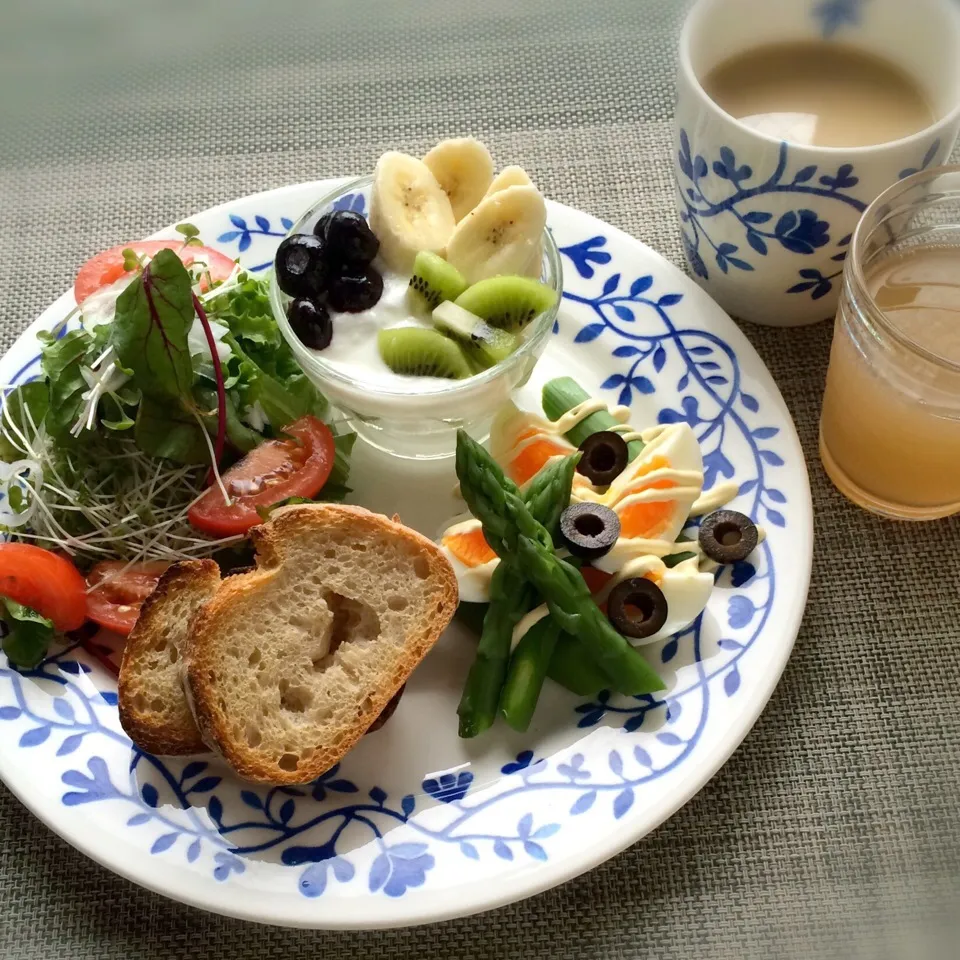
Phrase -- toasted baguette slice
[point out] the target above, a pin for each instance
(153, 706)
(289, 665)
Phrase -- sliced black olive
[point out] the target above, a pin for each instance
(589, 529)
(604, 457)
(637, 608)
(727, 536)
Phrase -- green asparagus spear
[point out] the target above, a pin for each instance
(548, 494)
(511, 596)
(563, 394)
(573, 668)
(671, 560)
(528, 669)
(547, 497)
(471, 615)
(495, 502)
(573, 607)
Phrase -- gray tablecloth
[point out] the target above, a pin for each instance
(834, 830)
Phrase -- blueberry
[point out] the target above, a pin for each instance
(301, 267)
(320, 230)
(354, 292)
(311, 323)
(350, 240)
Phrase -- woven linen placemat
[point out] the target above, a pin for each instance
(834, 831)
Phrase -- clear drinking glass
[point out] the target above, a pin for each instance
(421, 424)
(890, 426)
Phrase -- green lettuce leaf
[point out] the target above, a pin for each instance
(61, 361)
(28, 634)
(246, 311)
(149, 333)
(335, 489)
(239, 435)
(165, 429)
(263, 369)
(283, 399)
(31, 398)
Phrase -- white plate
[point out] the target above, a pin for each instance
(417, 825)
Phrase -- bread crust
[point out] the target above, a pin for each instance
(143, 726)
(202, 654)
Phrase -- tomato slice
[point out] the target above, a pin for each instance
(118, 591)
(274, 471)
(107, 267)
(45, 582)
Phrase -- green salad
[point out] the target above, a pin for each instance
(145, 409)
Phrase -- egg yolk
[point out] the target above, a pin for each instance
(530, 460)
(471, 548)
(648, 519)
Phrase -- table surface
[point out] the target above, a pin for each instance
(835, 828)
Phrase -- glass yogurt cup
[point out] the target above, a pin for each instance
(414, 417)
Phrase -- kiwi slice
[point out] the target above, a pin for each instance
(485, 344)
(419, 352)
(433, 281)
(508, 303)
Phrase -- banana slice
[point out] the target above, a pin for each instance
(409, 211)
(500, 236)
(509, 177)
(464, 168)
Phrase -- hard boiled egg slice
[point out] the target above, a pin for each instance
(472, 560)
(653, 495)
(685, 589)
(687, 594)
(522, 443)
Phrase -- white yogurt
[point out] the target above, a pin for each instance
(354, 351)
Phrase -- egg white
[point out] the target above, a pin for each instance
(474, 581)
(684, 587)
(686, 595)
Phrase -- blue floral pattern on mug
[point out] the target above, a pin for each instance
(833, 15)
(723, 187)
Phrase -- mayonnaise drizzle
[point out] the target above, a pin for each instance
(534, 616)
(717, 496)
(589, 407)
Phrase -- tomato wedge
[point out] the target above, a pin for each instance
(45, 582)
(118, 591)
(107, 267)
(274, 471)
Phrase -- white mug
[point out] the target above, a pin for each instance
(766, 223)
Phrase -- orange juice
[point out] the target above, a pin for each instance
(890, 428)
